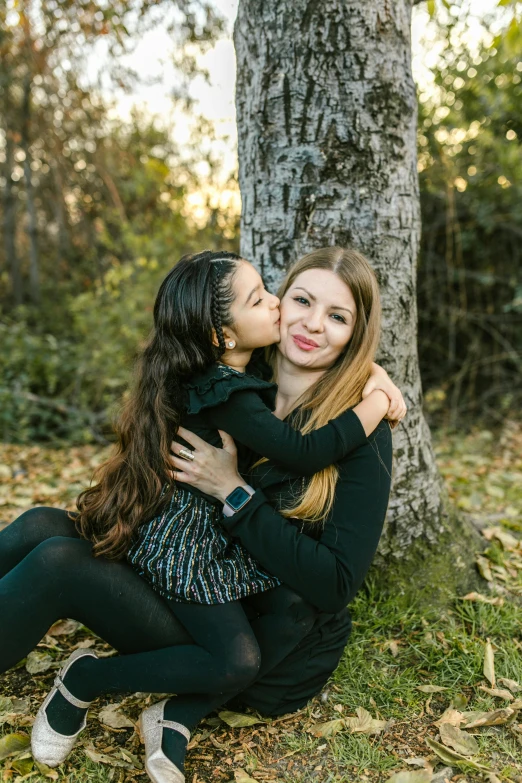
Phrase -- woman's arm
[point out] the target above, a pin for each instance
(327, 572)
(248, 420)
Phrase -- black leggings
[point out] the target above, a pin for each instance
(48, 573)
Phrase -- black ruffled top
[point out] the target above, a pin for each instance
(242, 405)
(217, 383)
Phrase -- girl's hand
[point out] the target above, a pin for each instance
(379, 379)
(213, 471)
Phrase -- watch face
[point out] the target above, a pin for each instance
(237, 498)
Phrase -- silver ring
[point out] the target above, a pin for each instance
(186, 454)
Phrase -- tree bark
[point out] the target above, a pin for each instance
(327, 109)
(64, 240)
(32, 230)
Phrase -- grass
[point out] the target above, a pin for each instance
(391, 653)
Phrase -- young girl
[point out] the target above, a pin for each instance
(210, 315)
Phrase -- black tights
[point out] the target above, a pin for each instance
(48, 573)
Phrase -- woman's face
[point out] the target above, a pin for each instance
(317, 319)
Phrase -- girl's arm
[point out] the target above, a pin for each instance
(328, 572)
(379, 379)
(248, 420)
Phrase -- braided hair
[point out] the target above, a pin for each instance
(217, 303)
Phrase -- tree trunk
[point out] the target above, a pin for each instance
(326, 109)
(32, 230)
(64, 240)
(9, 223)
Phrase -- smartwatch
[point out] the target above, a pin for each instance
(238, 498)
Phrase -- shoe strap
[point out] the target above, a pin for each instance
(66, 693)
(179, 727)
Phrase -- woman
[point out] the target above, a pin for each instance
(323, 361)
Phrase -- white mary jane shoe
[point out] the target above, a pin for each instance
(47, 745)
(159, 768)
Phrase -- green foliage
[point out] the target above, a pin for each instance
(111, 200)
(30, 362)
(469, 285)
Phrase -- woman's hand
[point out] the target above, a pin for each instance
(379, 379)
(213, 471)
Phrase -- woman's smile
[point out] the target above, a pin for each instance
(304, 343)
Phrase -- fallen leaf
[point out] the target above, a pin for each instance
(85, 643)
(64, 628)
(393, 647)
(431, 688)
(104, 758)
(459, 701)
(497, 601)
(364, 723)
(506, 539)
(418, 762)
(407, 776)
(12, 709)
(237, 720)
(13, 743)
(489, 663)
(511, 684)
(128, 756)
(484, 568)
(23, 765)
(328, 729)
(38, 662)
(241, 776)
(451, 756)
(444, 775)
(463, 743)
(516, 705)
(451, 716)
(498, 692)
(21, 706)
(112, 717)
(6, 709)
(475, 718)
(46, 771)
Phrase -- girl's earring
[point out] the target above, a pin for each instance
(231, 344)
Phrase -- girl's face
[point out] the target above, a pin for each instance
(254, 311)
(318, 315)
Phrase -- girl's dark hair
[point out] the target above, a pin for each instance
(193, 300)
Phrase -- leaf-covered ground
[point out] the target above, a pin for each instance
(417, 698)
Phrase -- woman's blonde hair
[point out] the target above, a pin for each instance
(341, 386)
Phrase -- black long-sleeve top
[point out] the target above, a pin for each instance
(323, 562)
(242, 405)
(326, 564)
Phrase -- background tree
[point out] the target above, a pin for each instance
(114, 199)
(469, 275)
(95, 208)
(54, 119)
(327, 116)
